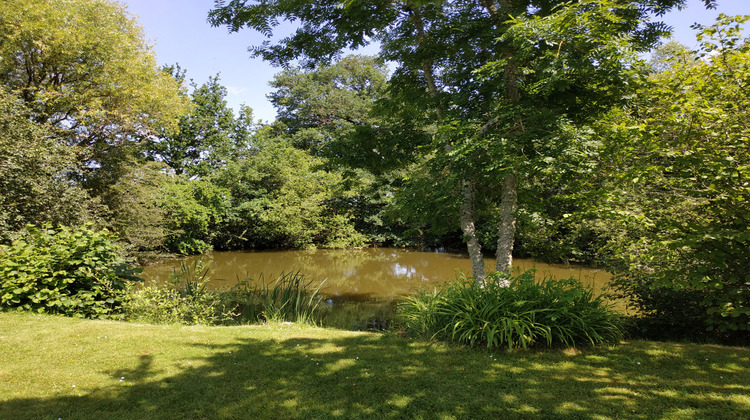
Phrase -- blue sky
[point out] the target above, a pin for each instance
(179, 33)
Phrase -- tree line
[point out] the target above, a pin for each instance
(527, 128)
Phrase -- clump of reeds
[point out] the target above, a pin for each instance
(289, 297)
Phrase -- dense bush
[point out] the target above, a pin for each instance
(679, 156)
(282, 198)
(665, 313)
(70, 271)
(528, 313)
(193, 210)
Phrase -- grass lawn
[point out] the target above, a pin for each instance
(54, 367)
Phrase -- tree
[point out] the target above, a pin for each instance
(34, 174)
(666, 55)
(472, 76)
(84, 67)
(327, 104)
(282, 197)
(682, 158)
(136, 203)
(329, 111)
(85, 76)
(208, 136)
(194, 210)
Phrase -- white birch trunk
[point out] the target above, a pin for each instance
(507, 229)
(469, 231)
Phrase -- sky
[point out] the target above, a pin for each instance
(179, 33)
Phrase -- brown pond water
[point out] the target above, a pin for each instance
(361, 274)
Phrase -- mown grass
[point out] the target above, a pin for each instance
(55, 367)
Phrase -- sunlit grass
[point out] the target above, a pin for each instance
(287, 370)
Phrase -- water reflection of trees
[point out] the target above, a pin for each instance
(375, 272)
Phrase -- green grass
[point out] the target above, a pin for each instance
(55, 367)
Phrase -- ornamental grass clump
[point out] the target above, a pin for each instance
(529, 313)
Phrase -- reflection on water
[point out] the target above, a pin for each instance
(361, 274)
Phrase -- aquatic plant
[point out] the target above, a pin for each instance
(289, 297)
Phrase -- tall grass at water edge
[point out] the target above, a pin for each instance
(528, 313)
(289, 297)
(185, 300)
(188, 300)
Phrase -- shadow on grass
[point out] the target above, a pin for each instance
(382, 376)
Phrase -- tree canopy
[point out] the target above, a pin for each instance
(33, 172)
(208, 136)
(681, 154)
(491, 81)
(83, 66)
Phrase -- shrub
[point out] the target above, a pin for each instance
(186, 300)
(679, 160)
(665, 313)
(528, 313)
(70, 271)
(283, 198)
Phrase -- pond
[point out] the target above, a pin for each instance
(359, 274)
(361, 285)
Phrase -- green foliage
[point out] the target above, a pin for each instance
(665, 56)
(558, 218)
(65, 271)
(664, 313)
(488, 82)
(208, 136)
(329, 111)
(186, 300)
(84, 66)
(137, 213)
(34, 171)
(323, 108)
(681, 157)
(288, 297)
(154, 211)
(80, 87)
(528, 313)
(282, 198)
(193, 211)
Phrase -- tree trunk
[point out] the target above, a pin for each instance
(469, 231)
(508, 198)
(507, 228)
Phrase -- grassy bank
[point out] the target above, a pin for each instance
(54, 367)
